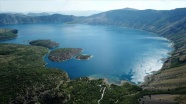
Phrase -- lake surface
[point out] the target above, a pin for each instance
(118, 53)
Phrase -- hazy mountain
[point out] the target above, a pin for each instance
(163, 22)
(80, 13)
(129, 9)
(17, 19)
(38, 14)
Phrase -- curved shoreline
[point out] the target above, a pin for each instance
(45, 56)
(169, 55)
(172, 45)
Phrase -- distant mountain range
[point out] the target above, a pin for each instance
(38, 14)
(79, 13)
(7, 18)
(163, 22)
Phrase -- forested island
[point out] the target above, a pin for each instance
(24, 79)
(63, 54)
(45, 43)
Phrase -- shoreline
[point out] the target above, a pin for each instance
(169, 53)
(105, 80)
(172, 45)
(65, 59)
(45, 56)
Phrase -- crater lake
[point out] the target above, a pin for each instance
(118, 53)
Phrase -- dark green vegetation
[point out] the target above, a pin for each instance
(8, 34)
(63, 54)
(124, 94)
(26, 79)
(45, 43)
(83, 57)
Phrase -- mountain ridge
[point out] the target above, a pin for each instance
(20, 19)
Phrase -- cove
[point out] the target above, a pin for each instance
(118, 53)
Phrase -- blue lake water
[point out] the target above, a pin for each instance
(118, 53)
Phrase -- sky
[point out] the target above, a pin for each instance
(86, 5)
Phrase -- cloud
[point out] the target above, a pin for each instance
(83, 5)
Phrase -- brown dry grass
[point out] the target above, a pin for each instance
(158, 99)
(169, 78)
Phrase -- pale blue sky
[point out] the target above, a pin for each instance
(84, 5)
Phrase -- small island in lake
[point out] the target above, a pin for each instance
(63, 54)
(83, 57)
(45, 43)
(6, 34)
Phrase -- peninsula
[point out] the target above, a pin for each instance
(6, 34)
(45, 43)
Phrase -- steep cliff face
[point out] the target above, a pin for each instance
(18, 19)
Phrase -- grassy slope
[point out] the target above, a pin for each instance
(168, 79)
